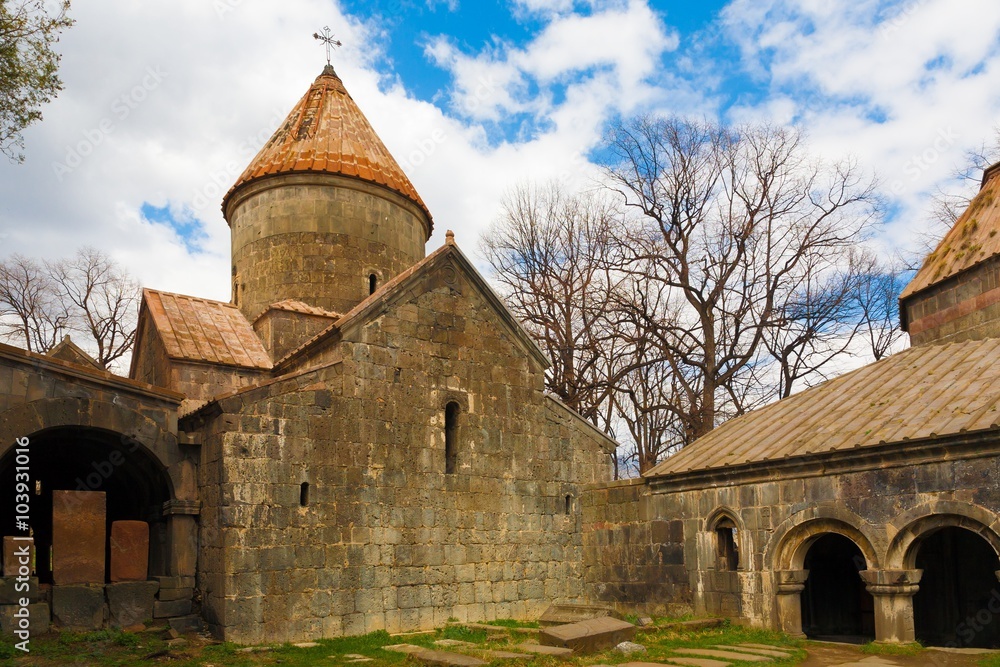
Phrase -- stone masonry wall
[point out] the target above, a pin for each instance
(882, 502)
(633, 559)
(317, 239)
(387, 539)
(966, 307)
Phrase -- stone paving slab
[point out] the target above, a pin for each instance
(697, 662)
(750, 645)
(404, 648)
(447, 659)
(544, 650)
(773, 652)
(506, 655)
(452, 642)
(724, 655)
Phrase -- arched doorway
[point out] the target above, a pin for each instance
(91, 459)
(958, 603)
(835, 604)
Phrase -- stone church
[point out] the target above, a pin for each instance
(361, 440)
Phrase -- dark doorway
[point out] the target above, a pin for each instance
(88, 459)
(835, 604)
(958, 603)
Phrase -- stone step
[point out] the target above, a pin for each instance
(544, 650)
(732, 656)
(772, 651)
(590, 636)
(446, 659)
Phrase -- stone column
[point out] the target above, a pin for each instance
(789, 585)
(893, 591)
(182, 536)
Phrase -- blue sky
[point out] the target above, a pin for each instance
(474, 98)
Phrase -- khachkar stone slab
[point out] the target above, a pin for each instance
(588, 636)
(14, 555)
(79, 608)
(78, 536)
(131, 602)
(129, 551)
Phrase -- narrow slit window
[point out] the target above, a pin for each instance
(304, 494)
(451, 437)
(372, 283)
(569, 504)
(727, 553)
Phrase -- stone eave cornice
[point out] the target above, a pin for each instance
(970, 445)
(76, 372)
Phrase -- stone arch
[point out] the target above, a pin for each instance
(730, 555)
(48, 413)
(792, 539)
(929, 518)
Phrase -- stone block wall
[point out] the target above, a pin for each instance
(884, 501)
(317, 238)
(632, 558)
(965, 307)
(383, 537)
(282, 331)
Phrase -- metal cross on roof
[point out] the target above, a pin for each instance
(327, 39)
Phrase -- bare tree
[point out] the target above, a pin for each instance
(104, 301)
(729, 220)
(549, 253)
(30, 308)
(877, 300)
(89, 294)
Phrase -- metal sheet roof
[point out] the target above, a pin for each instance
(926, 391)
(196, 329)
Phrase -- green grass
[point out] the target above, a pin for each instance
(514, 623)
(989, 661)
(875, 648)
(112, 648)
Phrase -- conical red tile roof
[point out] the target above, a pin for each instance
(326, 132)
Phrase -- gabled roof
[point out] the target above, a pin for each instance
(923, 392)
(974, 239)
(398, 288)
(214, 332)
(293, 306)
(326, 132)
(69, 351)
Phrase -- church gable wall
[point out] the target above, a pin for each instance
(413, 512)
(966, 307)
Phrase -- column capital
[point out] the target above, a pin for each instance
(790, 581)
(892, 582)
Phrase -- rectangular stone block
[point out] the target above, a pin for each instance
(129, 550)
(171, 594)
(78, 536)
(11, 618)
(131, 602)
(175, 582)
(588, 636)
(12, 589)
(14, 557)
(79, 608)
(173, 608)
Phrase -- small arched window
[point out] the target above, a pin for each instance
(727, 552)
(451, 437)
(372, 283)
